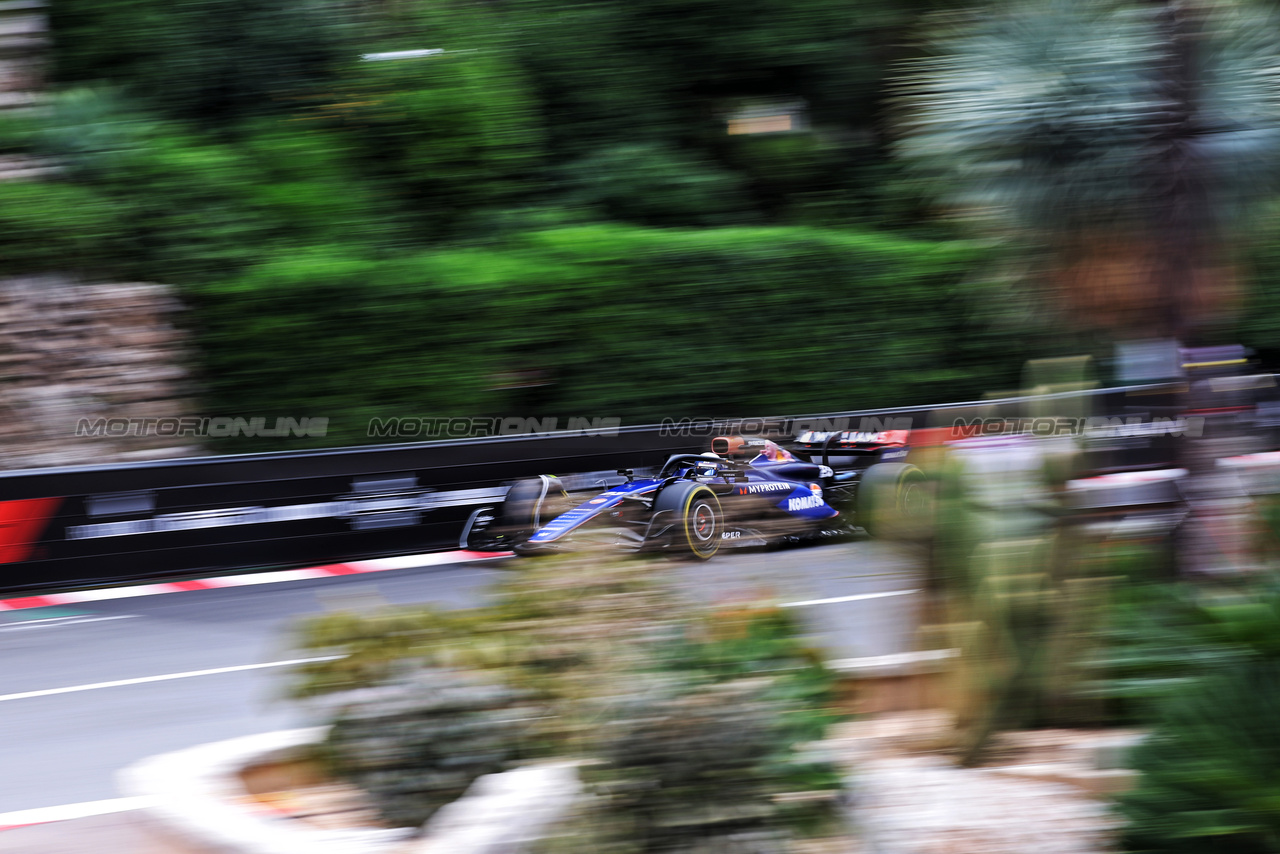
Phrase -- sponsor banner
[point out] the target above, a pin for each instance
(764, 488)
(808, 502)
(358, 510)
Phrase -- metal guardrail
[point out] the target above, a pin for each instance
(93, 525)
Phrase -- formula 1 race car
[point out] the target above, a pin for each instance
(744, 492)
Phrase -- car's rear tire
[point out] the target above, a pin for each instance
(894, 502)
(697, 523)
(529, 504)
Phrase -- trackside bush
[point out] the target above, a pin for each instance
(416, 744)
(665, 323)
(1211, 770)
(692, 722)
(57, 226)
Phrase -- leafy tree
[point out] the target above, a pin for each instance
(445, 135)
(670, 73)
(1124, 135)
(649, 184)
(207, 61)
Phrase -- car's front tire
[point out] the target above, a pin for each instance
(697, 522)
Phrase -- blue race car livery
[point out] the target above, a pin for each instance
(745, 491)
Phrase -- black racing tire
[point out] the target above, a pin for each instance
(528, 506)
(894, 502)
(697, 521)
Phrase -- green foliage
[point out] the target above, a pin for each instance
(741, 642)
(375, 156)
(417, 743)
(93, 132)
(554, 629)
(58, 226)
(185, 205)
(306, 194)
(445, 135)
(106, 39)
(192, 208)
(649, 185)
(1049, 114)
(1211, 770)
(364, 239)
(1259, 251)
(668, 74)
(1203, 665)
(1160, 640)
(690, 767)
(795, 320)
(797, 177)
(18, 131)
(692, 716)
(208, 61)
(1041, 108)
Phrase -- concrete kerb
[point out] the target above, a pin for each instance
(897, 682)
(197, 795)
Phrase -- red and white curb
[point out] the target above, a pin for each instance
(353, 568)
(66, 812)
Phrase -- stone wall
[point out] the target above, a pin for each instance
(71, 354)
(24, 47)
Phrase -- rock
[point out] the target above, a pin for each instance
(503, 813)
(74, 353)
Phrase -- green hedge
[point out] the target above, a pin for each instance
(605, 321)
(55, 226)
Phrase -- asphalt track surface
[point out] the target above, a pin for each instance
(86, 690)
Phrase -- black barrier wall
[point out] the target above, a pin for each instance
(102, 524)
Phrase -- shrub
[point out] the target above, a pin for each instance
(690, 767)
(650, 184)
(692, 720)
(1161, 640)
(795, 320)
(58, 226)
(416, 744)
(1210, 773)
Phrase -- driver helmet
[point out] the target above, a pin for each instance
(708, 469)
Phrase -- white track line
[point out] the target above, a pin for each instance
(44, 815)
(858, 598)
(58, 622)
(48, 692)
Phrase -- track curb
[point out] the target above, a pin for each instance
(78, 597)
